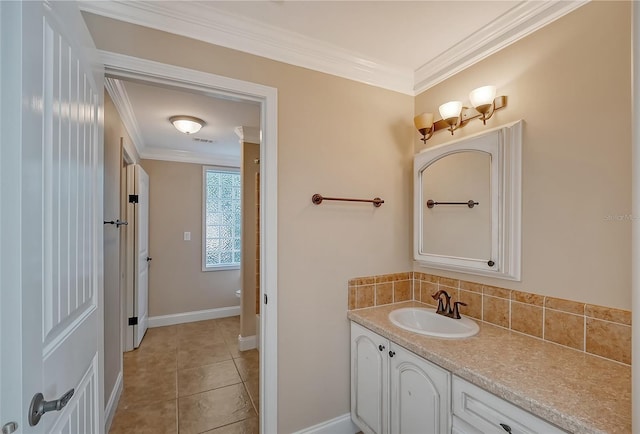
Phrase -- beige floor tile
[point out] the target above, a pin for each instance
(160, 339)
(232, 346)
(200, 338)
(205, 354)
(213, 409)
(253, 389)
(203, 378)
(156, 418)
(149, 386)
(193, 361)
(198, 326)
(247, 426)
(138, 362)
(248, 364)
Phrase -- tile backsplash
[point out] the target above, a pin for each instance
(598, 330)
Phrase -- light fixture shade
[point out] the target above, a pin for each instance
(482, 96)
(450, 109)
(423, 121)
(187, 124)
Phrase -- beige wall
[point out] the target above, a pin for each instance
(114, 134)
(570, 82)
(335, 137)
(177, 283)
(250, 152)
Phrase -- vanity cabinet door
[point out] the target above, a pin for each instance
(369, 380)
(420, 399)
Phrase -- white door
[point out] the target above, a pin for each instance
(51, 218)
(141, 218)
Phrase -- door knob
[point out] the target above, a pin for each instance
(39, 406)
(149, 259)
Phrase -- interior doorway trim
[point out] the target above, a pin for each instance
(133, 68)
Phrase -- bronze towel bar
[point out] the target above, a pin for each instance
(431, 203)
(318, 198)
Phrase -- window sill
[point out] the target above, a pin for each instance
(222, 268)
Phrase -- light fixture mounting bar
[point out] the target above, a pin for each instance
(469, 113)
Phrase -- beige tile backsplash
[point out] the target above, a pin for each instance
(598, 330)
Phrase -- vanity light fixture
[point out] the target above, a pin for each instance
(424, 124)
(454, 115)
(186, 124)
(450, 112)
(482, 100)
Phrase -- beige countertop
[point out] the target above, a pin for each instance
(578, 392)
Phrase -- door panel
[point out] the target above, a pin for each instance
(369, 379)
(57, 173)
(419, 395)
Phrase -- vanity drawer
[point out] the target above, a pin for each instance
(490, 414)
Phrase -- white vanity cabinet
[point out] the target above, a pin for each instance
(476, 411)
(395, 391)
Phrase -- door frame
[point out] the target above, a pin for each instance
(126, 249)
(132, 68)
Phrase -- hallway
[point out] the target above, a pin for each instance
(190, 378)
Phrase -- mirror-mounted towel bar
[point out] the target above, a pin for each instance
(318, 198)
(431, 203)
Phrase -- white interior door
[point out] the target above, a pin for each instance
(51, 233)
(141, 297)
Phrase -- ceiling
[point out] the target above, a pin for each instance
(405, 46)
(218, 142)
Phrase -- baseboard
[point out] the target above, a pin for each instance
(112, 404)
(258, 326)
(199, 315)
(339, 425)
(246, 342)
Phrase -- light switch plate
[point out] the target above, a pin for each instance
(187, 236)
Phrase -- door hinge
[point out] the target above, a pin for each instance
(133, 320)
(265, 299)
(133, 198)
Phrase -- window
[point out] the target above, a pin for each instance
(222, 218)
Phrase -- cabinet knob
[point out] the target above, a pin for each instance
(505, 427)
(381, 347)
(491, 264)
(392, 353)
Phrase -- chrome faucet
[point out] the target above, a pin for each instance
(445, 309)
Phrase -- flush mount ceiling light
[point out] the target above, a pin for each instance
(483, 101)
(186, 124)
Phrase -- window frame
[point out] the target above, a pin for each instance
(203, 238)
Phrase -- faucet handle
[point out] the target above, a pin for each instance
(456, 309)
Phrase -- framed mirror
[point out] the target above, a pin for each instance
(467, 204)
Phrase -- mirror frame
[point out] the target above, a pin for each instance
(504, 144)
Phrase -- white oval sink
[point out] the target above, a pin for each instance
(428, 322)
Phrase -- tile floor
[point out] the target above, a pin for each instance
(190, 378)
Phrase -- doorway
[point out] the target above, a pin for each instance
(123, 67)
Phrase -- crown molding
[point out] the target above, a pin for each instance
(248, 134)
(515, 24)
(204, 22)
(120, 99)
(189, 157)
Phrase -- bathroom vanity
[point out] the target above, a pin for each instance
(496, 381)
